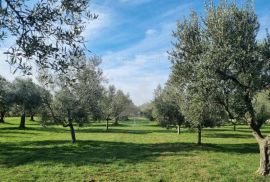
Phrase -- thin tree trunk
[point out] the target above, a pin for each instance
(178, 129)
(116, 121)
(234, 127)
(32, 117)
(72, 132)
(2, 117)
(55, 119)
(199, 135)
(107, 124)
(22, 123)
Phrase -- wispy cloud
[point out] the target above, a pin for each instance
(139, 68)
(140, 75)
(96, 27)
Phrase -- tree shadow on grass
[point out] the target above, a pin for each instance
(111, 130)
(80, 130)
(227, 135)
(38, 129)
(104, 152)
(16, 130)
(127, 130)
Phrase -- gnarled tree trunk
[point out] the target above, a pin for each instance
(264, 146)
(263, 142)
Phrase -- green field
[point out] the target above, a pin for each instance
(135, 151)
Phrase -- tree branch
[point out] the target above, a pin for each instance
(16, 12)
(231, 77)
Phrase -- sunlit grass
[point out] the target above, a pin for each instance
(137, 150)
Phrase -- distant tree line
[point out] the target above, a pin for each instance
(80, 101)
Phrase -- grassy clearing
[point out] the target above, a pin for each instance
(135, 151)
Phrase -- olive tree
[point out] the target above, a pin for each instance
(80, 99)
(120, 102)
(168, 107)
(107, 104)
(27, 95)
(147, 110)
(191, 79)
(238, 60)
(224, 42)
(88, 86)
(67, 105)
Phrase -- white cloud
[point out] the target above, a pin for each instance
(140, 76)
(140, 68)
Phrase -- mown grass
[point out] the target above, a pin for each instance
(134, 151)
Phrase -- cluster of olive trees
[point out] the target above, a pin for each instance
(49, 36)
(87, 97)
(20, 97)
(84, 99)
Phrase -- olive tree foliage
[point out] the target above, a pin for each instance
(115, 105)
(47, 33)
(67, 108)
(147, 110)
(190, 76)
(232, 61)
(46, 110)
(228, 98)
(107, 104)
(5, 98)
(76, 102)
(168, 107)
(27, 95)
(88, 86)
(120, 102)
(262, 106)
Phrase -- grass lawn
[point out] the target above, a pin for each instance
(135, 151)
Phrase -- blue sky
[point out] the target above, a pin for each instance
(133, 37)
